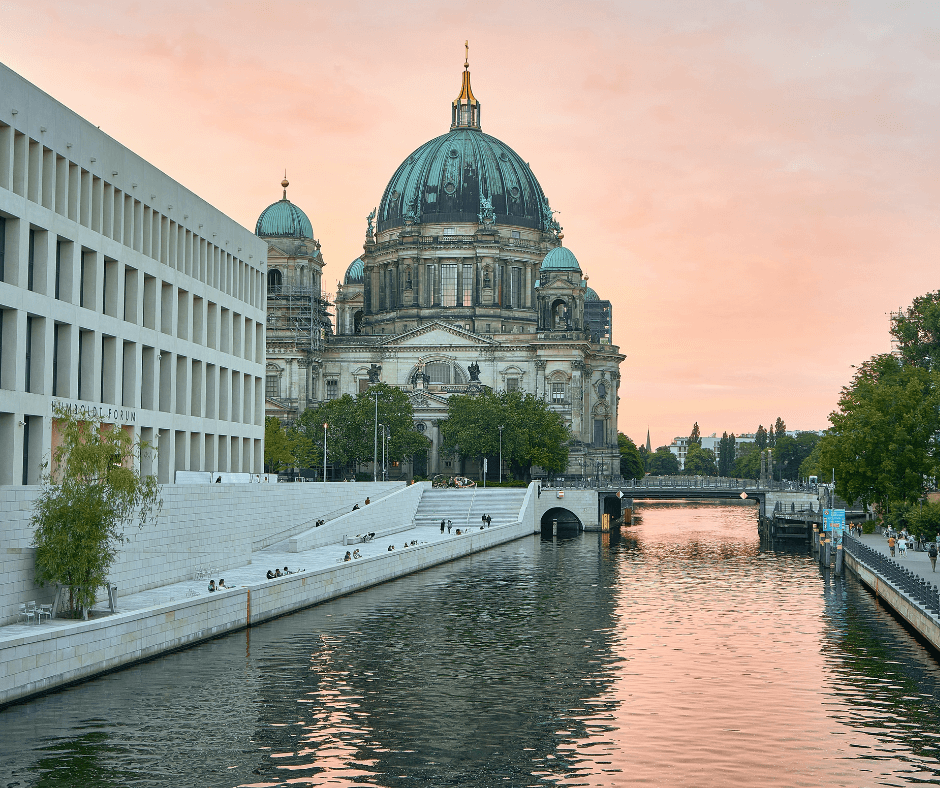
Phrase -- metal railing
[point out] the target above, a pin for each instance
(905, 582)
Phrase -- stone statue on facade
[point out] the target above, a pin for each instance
(474, 370)
(487, 213)
(374, 372)
(370, 229)
(548, 219)
(420, 379)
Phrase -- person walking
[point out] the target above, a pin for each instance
(442, 526)
(449, 526)
(932, 555)
(891, 544)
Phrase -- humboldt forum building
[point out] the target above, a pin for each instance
(463, 283)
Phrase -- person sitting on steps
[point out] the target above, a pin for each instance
(348, 556)
(211, 586)
(270, 575)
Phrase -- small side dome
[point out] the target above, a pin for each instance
(560, 259)
(283, 219)
(355, 272)
(590, 295)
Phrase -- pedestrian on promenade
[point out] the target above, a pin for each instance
(902, 546)
(932, 555)
(442, 526)
(891, 543)
(211, 586)
(450, 525)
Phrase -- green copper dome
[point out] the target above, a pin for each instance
(354, 272)
(560, 259)
(590, 295)
(283, 219)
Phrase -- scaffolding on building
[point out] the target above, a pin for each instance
(298, 318)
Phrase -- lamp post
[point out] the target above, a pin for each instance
(388, 438)
(324, 451)
(500, 428)
(375, 440)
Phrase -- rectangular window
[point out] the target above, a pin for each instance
(3, 247)
(467, 285)
(429, 285)
(332, 389)
(599, 436)
(439, 372)
(512, 384)
(29, 350)
(31, 263)
(272, 386)
(363, 385)
(488, 328)
(448, 285)
(515, 287)
(58, 268)
(515, 234)
(449, 231)
(55, 360)
(81, 283)
(558, 393)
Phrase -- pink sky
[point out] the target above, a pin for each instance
(753, 185)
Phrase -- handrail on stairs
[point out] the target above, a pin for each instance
(470, 509)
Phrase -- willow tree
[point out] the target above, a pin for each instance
(91, 489)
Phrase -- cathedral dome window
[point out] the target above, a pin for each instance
(274, 281)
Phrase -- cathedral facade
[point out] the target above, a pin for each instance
(463, 282)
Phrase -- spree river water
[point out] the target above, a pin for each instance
(679, 653)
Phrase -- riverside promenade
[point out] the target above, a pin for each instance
(36, 658)
(903, 593)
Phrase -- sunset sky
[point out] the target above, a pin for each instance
(753, 185)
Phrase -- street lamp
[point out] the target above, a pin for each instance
(387, 434)
(324, 451)
(375, 439)
(500, 428)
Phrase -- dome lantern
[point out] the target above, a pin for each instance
(465, 109)
(283, 219)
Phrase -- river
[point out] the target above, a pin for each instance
(679, 653)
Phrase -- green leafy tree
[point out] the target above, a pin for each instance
(747, 464)
(351, 429)
(810, 466)
(696, 435)
(631, 465)
(663, 462)
(727, 449)
(699, 461)
(882, 445)
(532, 434)
(780, 427)
(91, 488)
(278, 456)
(760, 437)
(916, 331)
(790, 453)
(924, 519)
(771, 437)
(645, 455)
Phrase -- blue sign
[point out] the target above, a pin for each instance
(833, 519)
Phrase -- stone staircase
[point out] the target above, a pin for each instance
(466, 507)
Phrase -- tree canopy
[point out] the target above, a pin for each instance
(91, 487)
(747, 465)
(663, 462)
(699, 461)
(727, 451)
(696, 435)
(631, 465)
(916, 331)
(790, 453)
(351, 429)
(882, 445)
(531, 435)
(761, 437)
(278, 455)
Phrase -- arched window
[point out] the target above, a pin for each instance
(274, 281)
(439, 372)
(357, 322)
(559, 315)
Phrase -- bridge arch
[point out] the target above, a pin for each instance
(561, 521)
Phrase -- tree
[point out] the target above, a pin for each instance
(631, 466)
(760, 437)
(91, 487)
(790, 453)
(727, 450)
(532, 434)
(699, 461)
(810, 466)
(771, 437)
(663, 462)
(747, 465)
(916, 331)
(351, 429)
(882, 445)
(780, 427)
(696, 436)
(277, 446)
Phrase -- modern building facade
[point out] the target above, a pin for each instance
(464, 283)
(123, 294)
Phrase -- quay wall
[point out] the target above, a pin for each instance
(48, 659)
(922, 622)
(199, 525)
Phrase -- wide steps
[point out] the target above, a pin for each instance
(466, 507)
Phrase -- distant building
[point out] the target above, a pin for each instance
(597, 317)
(680, 445)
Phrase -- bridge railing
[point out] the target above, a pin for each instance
(653, 483)
(914, 587)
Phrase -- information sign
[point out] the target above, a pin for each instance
(834, 520)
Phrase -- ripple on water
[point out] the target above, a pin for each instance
(679, 654)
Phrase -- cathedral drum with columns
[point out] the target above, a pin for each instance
(463, 282)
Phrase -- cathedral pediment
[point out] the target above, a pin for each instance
(438, 335)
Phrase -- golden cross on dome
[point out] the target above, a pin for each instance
(466, 62)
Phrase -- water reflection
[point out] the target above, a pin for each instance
(678, 653)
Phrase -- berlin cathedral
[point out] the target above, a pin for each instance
(463, 281)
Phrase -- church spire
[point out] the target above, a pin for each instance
(465, 109)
